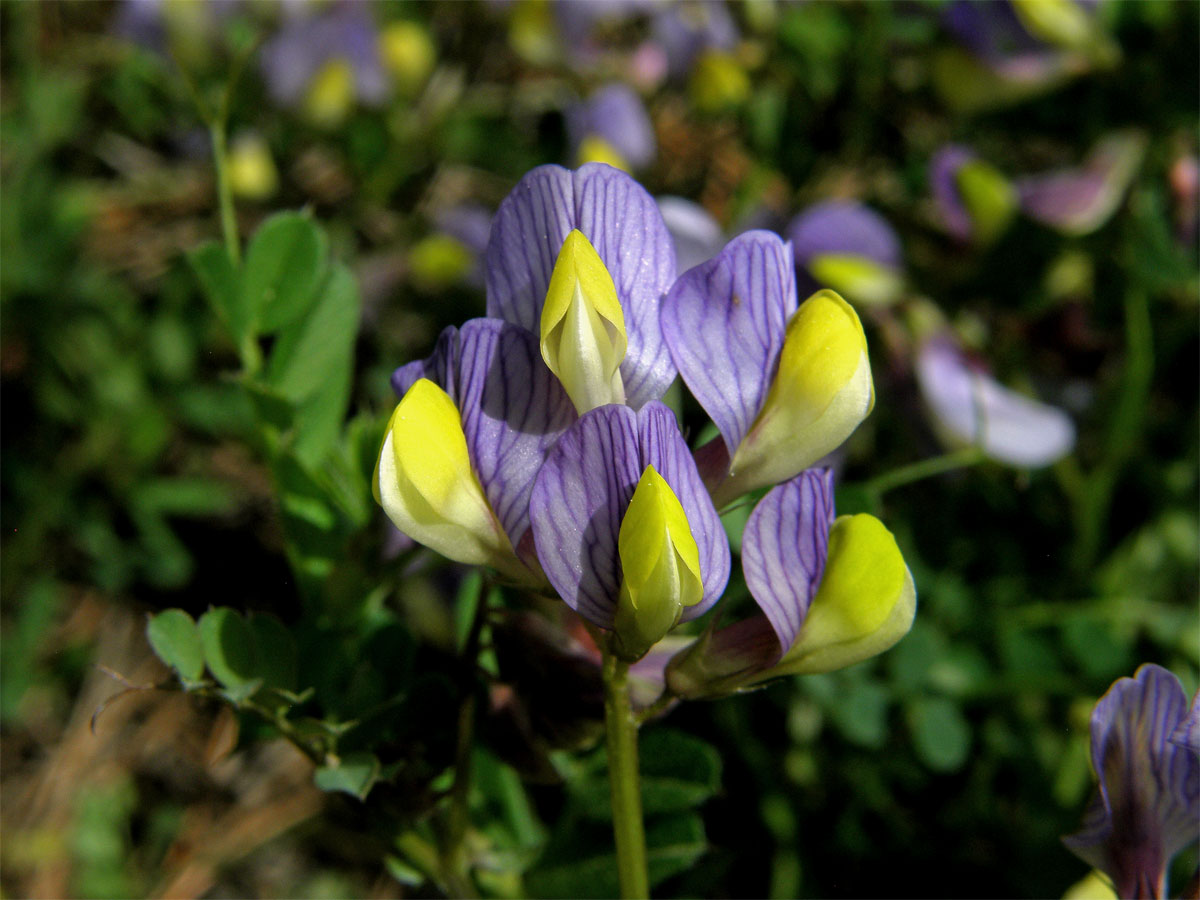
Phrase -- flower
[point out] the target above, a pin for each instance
(697, 235)
(831, 592)
(849, 247)
(976, 202)
(1147, 807)
(612, 126)
(970, 407)
(785, 383)
(1080, 200)
(474, 423)
(582, 259)
(624, 528)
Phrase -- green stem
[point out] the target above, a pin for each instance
(926, 468)
(628, 830)
(225, 190)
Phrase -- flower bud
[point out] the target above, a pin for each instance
(583, 328)
(660, 563)
(425, 483)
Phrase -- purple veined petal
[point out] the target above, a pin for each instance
(972, 408)
(1188, 733)
(724, 322)
(784, 547)
(616, 114)
(662, 446)
(697, 235)
(943, 175)
(1080, 200)
(844, 227)
(579, 498)
(1148, 806)
(512, 408)
(623, 224)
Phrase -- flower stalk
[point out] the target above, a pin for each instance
(628, 829)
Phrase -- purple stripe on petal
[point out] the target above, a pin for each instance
(663, 447)
(579, 498)
(623, 223)
(724, 323)
(1188, 733)
(784, 547)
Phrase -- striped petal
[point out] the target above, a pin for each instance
(1148, 805)
(622, 222)
(784, 548)
(512, 408)
(724, 322)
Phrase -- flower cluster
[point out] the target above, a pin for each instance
(535, 441)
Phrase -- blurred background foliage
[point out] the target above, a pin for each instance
(158, 454)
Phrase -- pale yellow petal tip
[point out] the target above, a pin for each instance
(583, 338)
(408, 52)
(330, 94)
(865, 603)
(595, 149)
(1095, 885)
(426, 485)
(863, 280)
(660, 564)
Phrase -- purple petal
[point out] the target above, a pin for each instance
(697, 235)
(943, 179)
(974, 409)
(991, 31)
(513, 409)
(1148, 806)
(615, 113)
(1080, 200)
(622, 222)
(724, 323)
(579, 498)
(1188, 733)
(844, 227)
(663, 447)
(784, 547)
(685, 30)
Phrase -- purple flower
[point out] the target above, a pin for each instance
(1080, 200)
(326, 60)
(611, 279)
(849, 247)
(612, 123)
(697, 235)
(686, 30)
(785, 383)
(976, 202)
(970, 407)
(473, 426)
(624, 529)
(1147, 807)
(831, 592)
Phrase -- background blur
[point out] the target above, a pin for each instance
(132, 480)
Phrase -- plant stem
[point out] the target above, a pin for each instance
(926, 468)
(628, 830)
(224, 190)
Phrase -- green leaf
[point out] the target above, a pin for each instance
(860, 714)
(354, 773)
(307, 353)
(941, 736)
(176, 641)
(284, 266)
(672, 846)
(222, 286)
(275, 652)
(228, 647)
(319, 419)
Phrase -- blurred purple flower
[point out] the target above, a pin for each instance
(685, 30)
(970, 407)
(697, 235)
(615, 115)
(1147, 807)
(975, 201)
(345, 33)
(1079, 200)
(849, 247)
